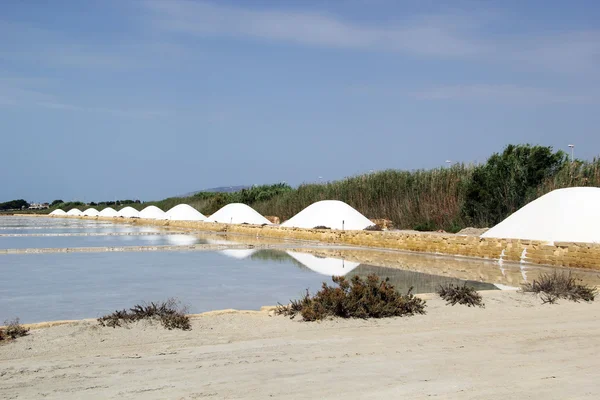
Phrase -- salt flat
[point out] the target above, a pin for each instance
(514, 348)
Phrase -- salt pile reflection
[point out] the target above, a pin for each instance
(324, 265)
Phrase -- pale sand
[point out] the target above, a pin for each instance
(515, 348)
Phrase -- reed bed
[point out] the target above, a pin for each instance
(447, 199)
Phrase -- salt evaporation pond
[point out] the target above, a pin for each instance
(53, 286)
(64, 242)
(40, 287)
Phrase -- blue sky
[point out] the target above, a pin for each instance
(148, 98)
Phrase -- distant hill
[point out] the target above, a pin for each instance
(221, 189)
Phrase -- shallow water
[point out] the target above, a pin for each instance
(108, 229)
(38, 287)
(52, 286)
(31, 242)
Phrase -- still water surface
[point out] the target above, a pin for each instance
(53, 286)
(39, 287)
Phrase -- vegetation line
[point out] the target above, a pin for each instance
(449, 198)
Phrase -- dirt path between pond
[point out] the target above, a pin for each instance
(514, 348)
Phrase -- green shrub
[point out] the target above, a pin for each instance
(449, 199)
(358, 298)
(464, 294)
(170, 314)
(505, 182)
(427, 226)
(562, 285)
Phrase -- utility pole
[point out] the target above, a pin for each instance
(572, 146)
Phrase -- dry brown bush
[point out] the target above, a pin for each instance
(358, 298)
(464, 294)
(564, 285)
(170, 314)
(12, 330)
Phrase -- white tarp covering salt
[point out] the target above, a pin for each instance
(332, 214)
(237, 213)
(184, 212)
(563, 215)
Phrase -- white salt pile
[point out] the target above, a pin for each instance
(152, 212)
(326, 266)
(90, 212)
(332, 214)
(74, 211)
(184, 212)
(129, 212)
(58, 212)
(109, 212)
(563, 215)
(238, 213)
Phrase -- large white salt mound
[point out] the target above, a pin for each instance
(326, 266)
(238, 213)
(563, 215)
(109, 212)
(129, 212)
(74, 211)
(153, 212)
(58, 212)
(90, 212)
(333, 214)
(184, 212)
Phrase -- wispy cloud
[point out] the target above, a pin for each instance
(38, 46)
(501, 93)
(23, 92)
(570, 52)
(41, 46)
(437, 36)
(452, 35)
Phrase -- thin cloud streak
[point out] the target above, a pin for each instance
(14, 95)
(55, 49)
(434, 36)
(506, 93)
(456, 36)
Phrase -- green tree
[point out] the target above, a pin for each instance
(14, 205)
(56, 202)
(502, 185)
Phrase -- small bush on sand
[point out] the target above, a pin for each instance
(373, 228)
(170, 314)
(564, 285)
(464, 294)
(358, 298)
(12, 330)
(321, 227)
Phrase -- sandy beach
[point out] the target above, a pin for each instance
(514, 348)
